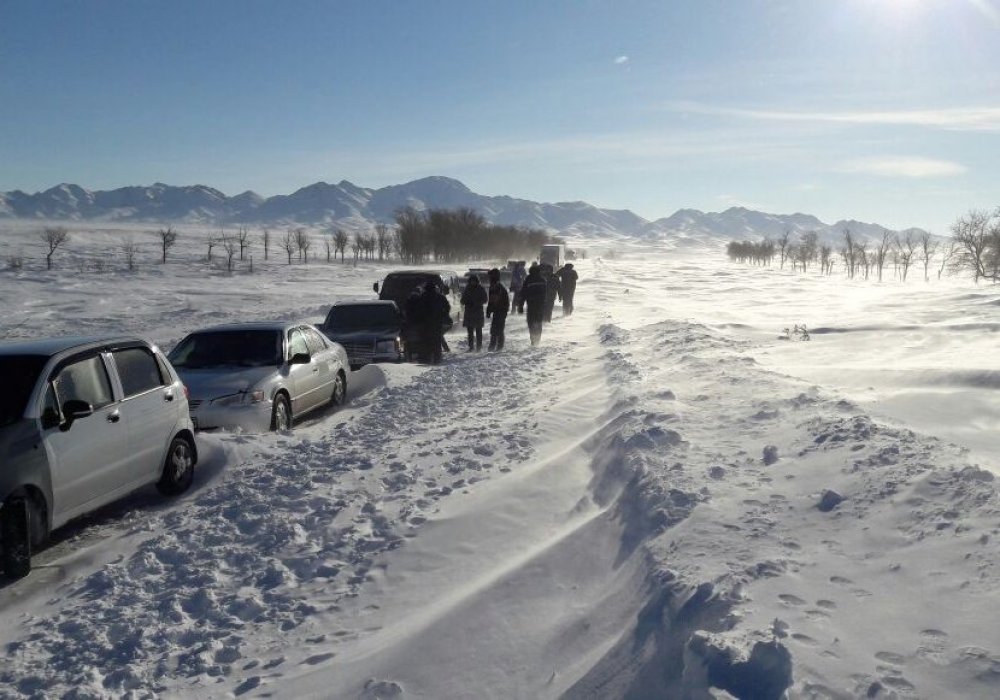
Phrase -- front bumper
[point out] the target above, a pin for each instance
(254, 417)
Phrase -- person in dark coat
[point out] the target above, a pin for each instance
(437, 314)
(473, 299)
(497, 305)
(517, 276)
(415, 313)
(567, 286)
(533, 295)
(551, 290)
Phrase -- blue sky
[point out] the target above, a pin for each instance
(881, 110)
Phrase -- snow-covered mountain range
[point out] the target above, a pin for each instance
(352, 207)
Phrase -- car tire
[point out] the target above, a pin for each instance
(339, 394)
(15, 530)
(281, 414)
(178, 467)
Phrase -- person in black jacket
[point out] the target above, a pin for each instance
(567, 285)
(437, 312)
(497, 305)
(533, 294)
(551, 290)
(473, 299)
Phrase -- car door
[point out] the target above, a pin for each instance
(89, 458)
(322, 356)
(304, 378)
(147, 407)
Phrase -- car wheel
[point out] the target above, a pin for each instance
(15, 530)
(178, 469)
(281, 414)
(339, 390)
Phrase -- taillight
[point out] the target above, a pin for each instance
(187, 394)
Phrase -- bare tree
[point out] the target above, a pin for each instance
(906, 248)
(243, 238)
(53, 237)
(230, 244)
(783, 243)
(167, 239)
(302, 242)
(825, 259)
(864, 259)
(212, 241)
(928, 246)
(267, 242)
(973, 235)
(383, 238)
(849, 254)
(340, 243)
(883, 247)
(948, 254)
(357, 245)
(288, 243)
(130, 249)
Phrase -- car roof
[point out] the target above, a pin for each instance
(422, 273)
(251, 326)
(54, 346)
(365, 302)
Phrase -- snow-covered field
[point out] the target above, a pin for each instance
(631, 509)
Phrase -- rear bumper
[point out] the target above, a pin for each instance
(252, 418)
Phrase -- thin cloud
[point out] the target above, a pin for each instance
(621, 60)
(949, 119)
(909, 167)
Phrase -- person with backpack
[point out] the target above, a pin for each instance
(473, 299)
(497, 305)
(533, 294)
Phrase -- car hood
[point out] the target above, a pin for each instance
(219, 381)
(363, 334)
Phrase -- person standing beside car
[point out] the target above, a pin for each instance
(497, 305)
(438, 315)
(473, 299)
(533, 295)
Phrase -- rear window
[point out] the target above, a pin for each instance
(354, 317)
(20, 373)
(138, 370)
(397, 287)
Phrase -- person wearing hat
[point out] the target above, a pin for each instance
(497, 305)
(473, 299)
(533, 294)
(567, 279)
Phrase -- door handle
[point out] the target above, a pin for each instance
(168, 396)
(114, 417)
(315, 369)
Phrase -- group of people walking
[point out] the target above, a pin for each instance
(537, 289)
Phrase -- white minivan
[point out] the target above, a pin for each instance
(85, 421)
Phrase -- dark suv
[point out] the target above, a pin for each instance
(397, 286)
(370, 331)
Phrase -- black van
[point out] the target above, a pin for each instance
(399, 285)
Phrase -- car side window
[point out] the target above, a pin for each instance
(138, 370)
(315, 341)
(296, 343)
(84, 380)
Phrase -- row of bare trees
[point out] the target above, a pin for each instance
(454, 235)
(861, 257)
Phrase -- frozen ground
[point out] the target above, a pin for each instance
(647, 505)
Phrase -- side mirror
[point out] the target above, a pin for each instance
(374, 286)
(300, 358)
(74, 410)
(446, 290)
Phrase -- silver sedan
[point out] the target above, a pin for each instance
(259, 376)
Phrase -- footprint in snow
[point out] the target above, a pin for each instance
(789, 599)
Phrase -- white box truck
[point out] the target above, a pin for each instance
(554, 254)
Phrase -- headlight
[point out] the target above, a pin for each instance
(387, 345)
(239, 398)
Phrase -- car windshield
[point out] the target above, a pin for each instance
(20, 373)
(237, 348)
(361, 316)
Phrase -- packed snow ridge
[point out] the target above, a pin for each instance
(663, 500)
